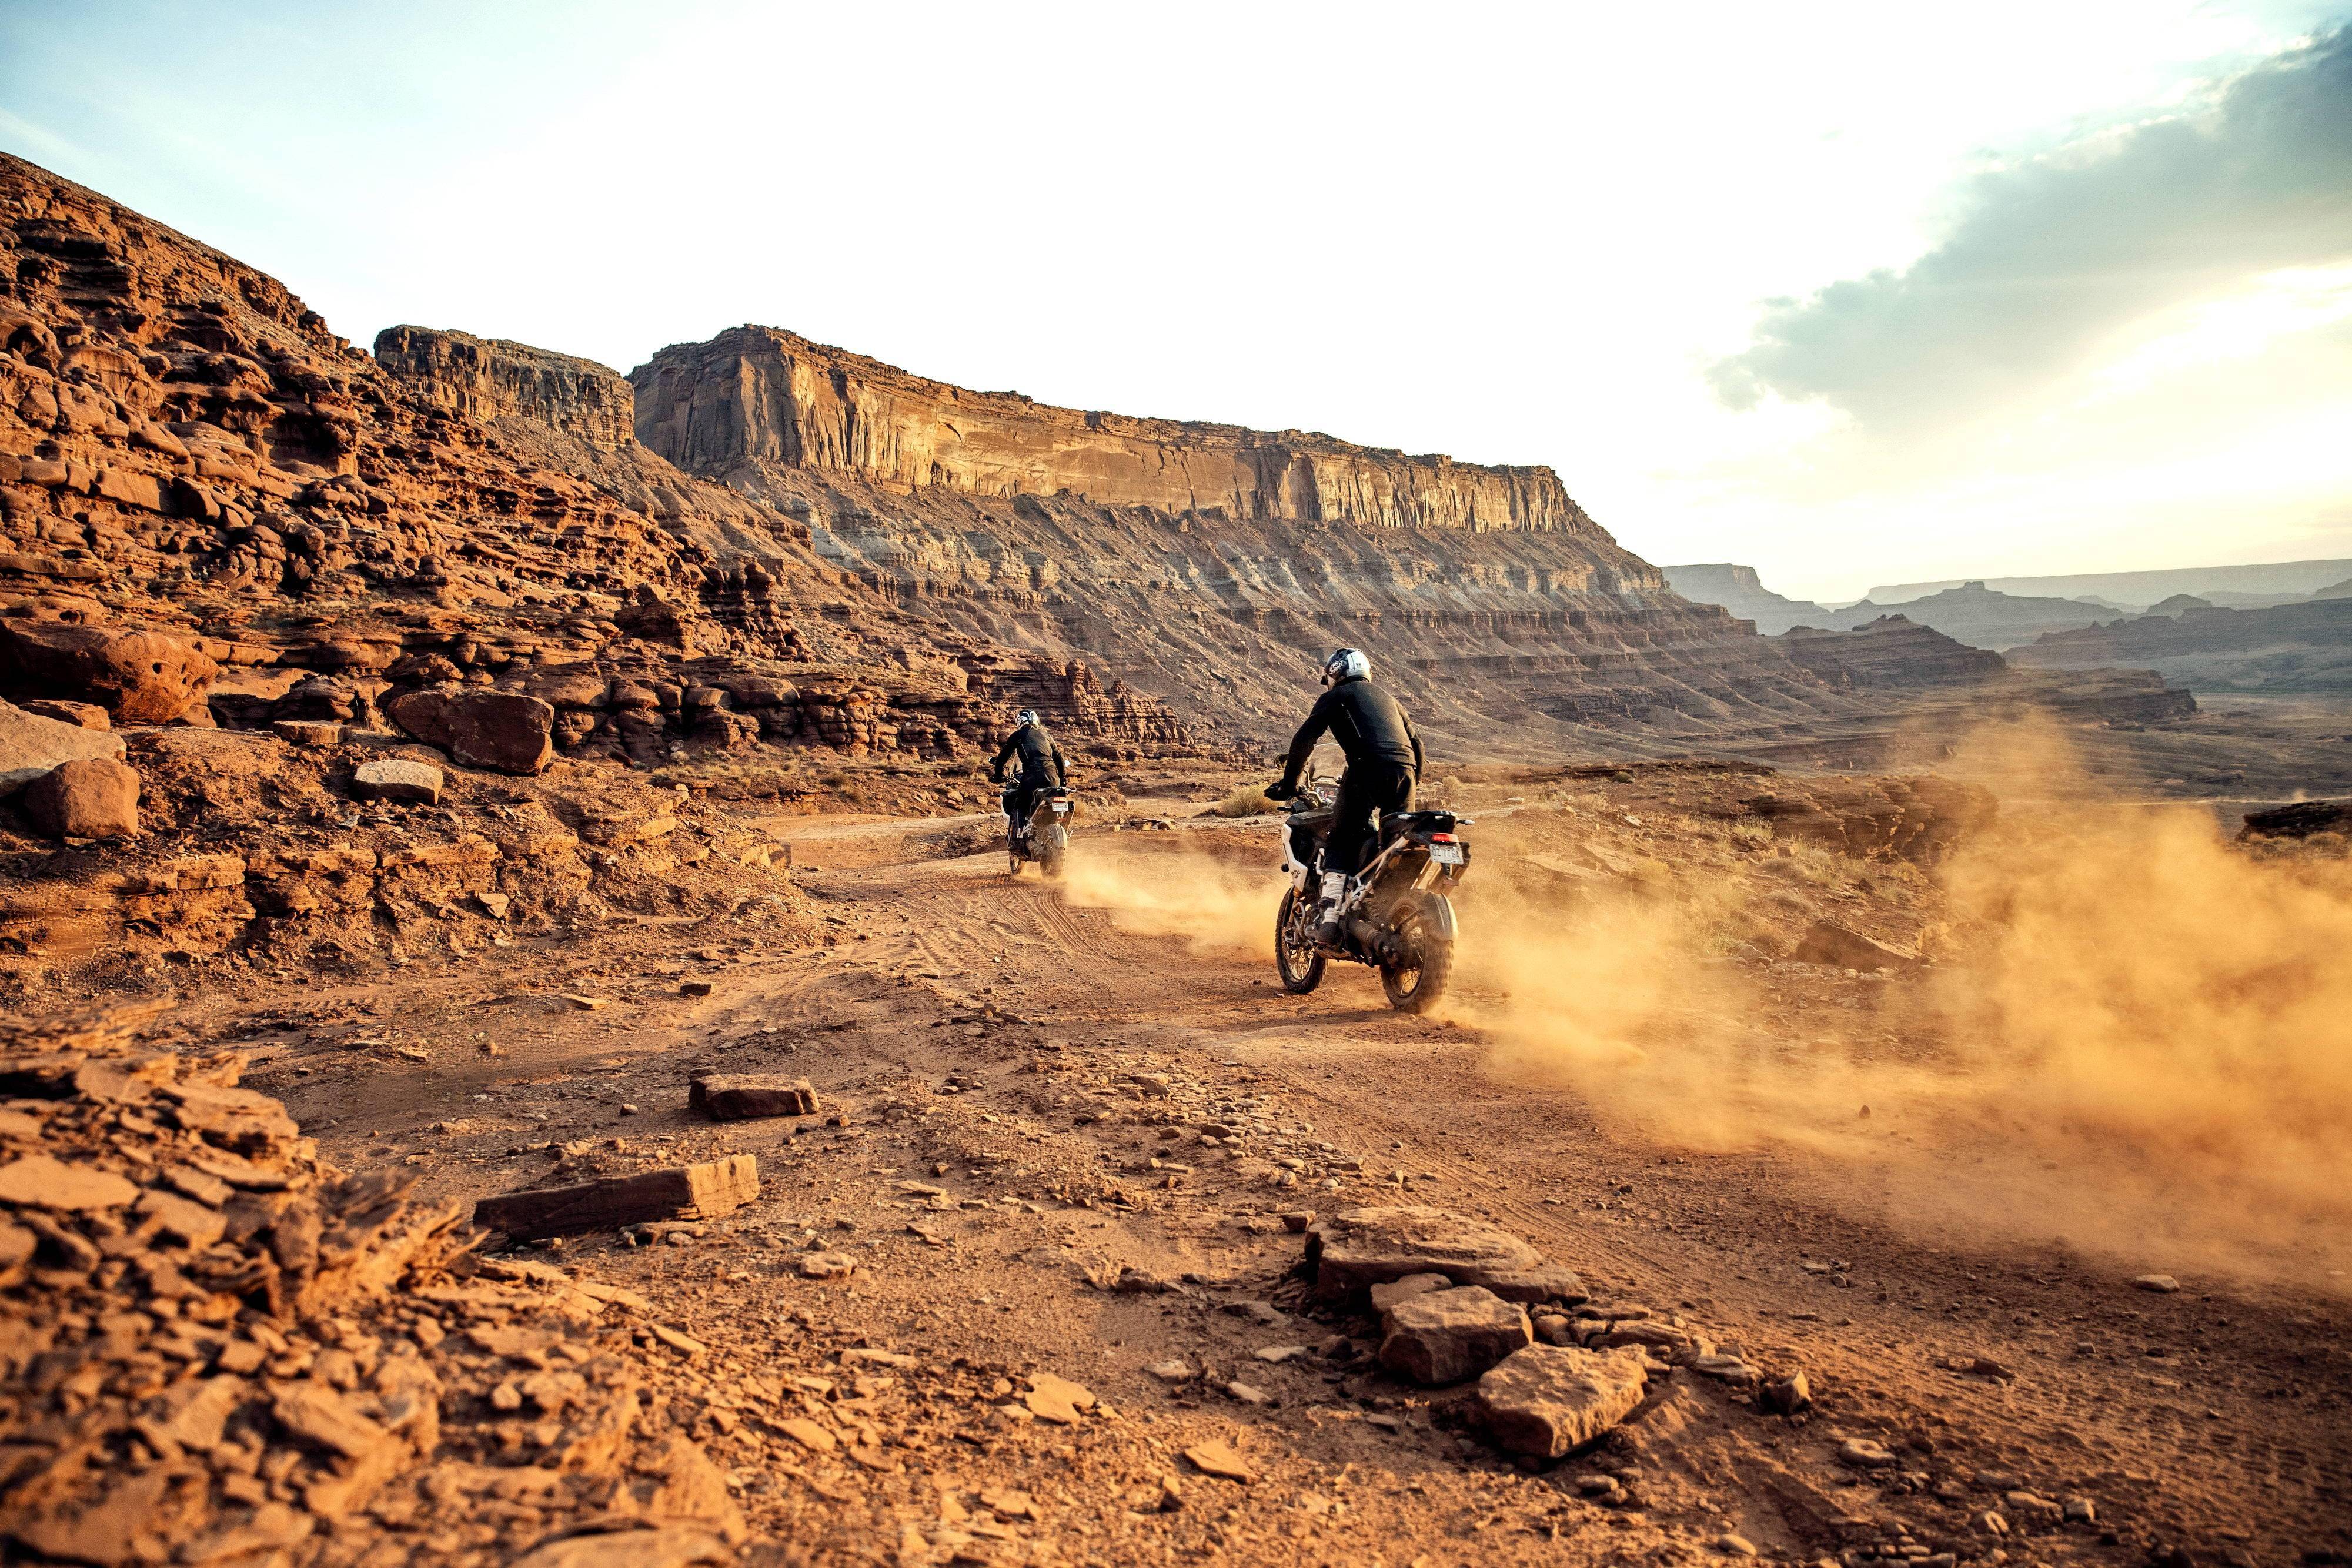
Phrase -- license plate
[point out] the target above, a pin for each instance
(1061, 805)
(1445, 854)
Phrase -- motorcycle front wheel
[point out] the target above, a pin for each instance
(1414, 983)
(1295, 957)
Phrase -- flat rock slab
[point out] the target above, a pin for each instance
(397, 778)
(1547, 1399)
(1359, 1247)
(681, 1192)
(1444, 1336)
(38, 1181)
(1404, 1290)
(1835, 946)
(31, 746)
(739, 1097)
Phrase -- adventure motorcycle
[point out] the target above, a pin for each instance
(1045, 836)
(1396, 915)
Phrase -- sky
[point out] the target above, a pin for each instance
(1853, 294)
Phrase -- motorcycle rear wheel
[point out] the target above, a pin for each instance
(1050, 852)
(1301, 968)
(1415, 985)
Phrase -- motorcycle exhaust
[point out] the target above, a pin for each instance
(1378, 942)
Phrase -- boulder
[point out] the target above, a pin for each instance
(397, 778)
(89, 798)
(31, 746)
(1357, 1249)
(1833, 946)
(742, 1097)
(505, 731)
(138, 677)
(1547, 1399)
(1444, 1336)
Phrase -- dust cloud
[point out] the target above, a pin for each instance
(1214, 903)
(2139, 1039)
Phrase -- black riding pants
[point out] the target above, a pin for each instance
(1022, 797)
(1366, 789)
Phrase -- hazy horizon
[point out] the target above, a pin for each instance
(2076, 300)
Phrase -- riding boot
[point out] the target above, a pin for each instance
(1335, 889)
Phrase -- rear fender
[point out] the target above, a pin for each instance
(1438, 910)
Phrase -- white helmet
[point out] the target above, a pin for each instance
(1028, 716)
(1346, 664)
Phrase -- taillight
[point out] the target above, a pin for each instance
(1441, 838)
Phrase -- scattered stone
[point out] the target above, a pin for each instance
(1835, 947)
(1735, 1545)
(682, 1192)
(1247, 1393)
(2162, 1284)
(1545, 1400)
(1445, 1336)
(1785, 1395)
(809, 1435)
(90, 798)
(1219, 1459)
(633, 1544)
(1176, 1371)
(685, 1344)
(826, 1265)
(1276, 1354)
(505, 731)
(1411, 1285)
(309, 734)
(1863, 1454)
(1298, 1220)
(695, 987)
(1057, 1399)
(739, 1097)
(397, 778)
(1357, 1249)
(1553, 1329)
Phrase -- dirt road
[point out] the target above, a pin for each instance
(1034, 1088)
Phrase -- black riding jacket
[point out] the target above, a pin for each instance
(1368, 723)
(1036, 750)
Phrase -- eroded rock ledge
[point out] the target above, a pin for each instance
(758, 395)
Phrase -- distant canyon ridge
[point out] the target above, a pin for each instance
(759, 542)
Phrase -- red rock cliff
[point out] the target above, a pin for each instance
(756, 394)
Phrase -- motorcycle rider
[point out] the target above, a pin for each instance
(1384, 766)
(1040, 768)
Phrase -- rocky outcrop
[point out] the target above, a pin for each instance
(195, 472)
(2290, 648)
(1739, 590)
(491, 380)
(1978, 616)
(1209, 565)
(757, 396)
(1889, 653)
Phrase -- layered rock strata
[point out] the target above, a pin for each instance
(199, 480)
(1211, 565)
(756, 396)
(2288, 649)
